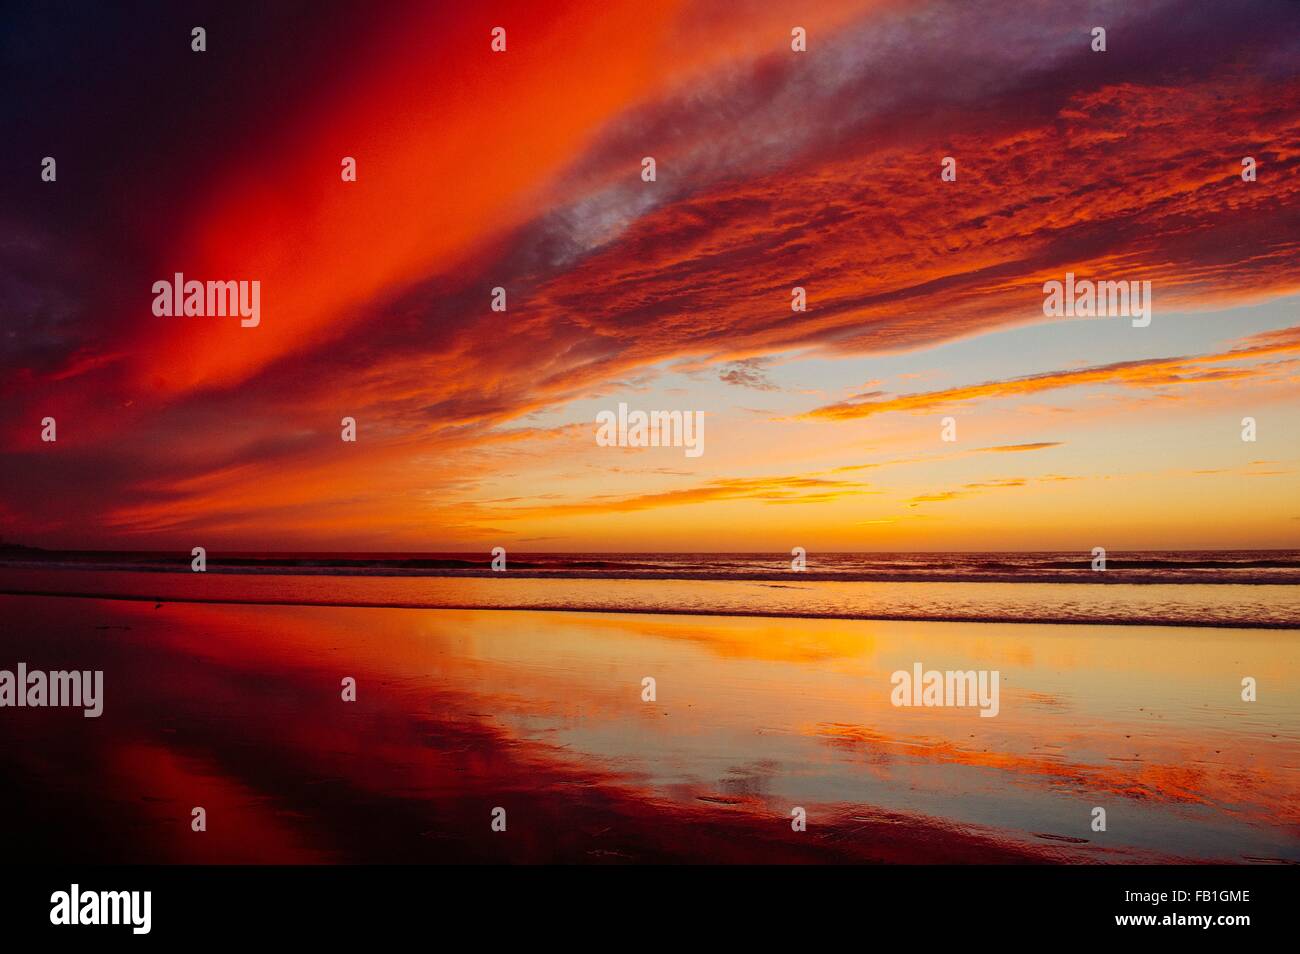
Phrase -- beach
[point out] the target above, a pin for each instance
(238, 708)
(1242, 589)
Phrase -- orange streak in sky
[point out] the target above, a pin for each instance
(453, 144)
(449, 138)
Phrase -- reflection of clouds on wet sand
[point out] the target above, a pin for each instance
(238, 709)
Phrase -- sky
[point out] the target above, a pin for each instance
(775, 169)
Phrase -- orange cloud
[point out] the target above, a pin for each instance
(766, 489)
(776, 170)
(1141, 373)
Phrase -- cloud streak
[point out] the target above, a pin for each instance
(776, 169)
(1140, 373)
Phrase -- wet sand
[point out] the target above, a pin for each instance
(237, 708)
(1260, 606)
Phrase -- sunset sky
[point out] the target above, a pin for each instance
(775, 169)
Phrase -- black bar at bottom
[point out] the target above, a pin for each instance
(330, 903)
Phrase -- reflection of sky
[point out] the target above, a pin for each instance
(1076, 725)
(459, 710)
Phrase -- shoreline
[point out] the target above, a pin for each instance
(1118, 574)
(665, 611)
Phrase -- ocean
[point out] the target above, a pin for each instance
(1248, 589)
